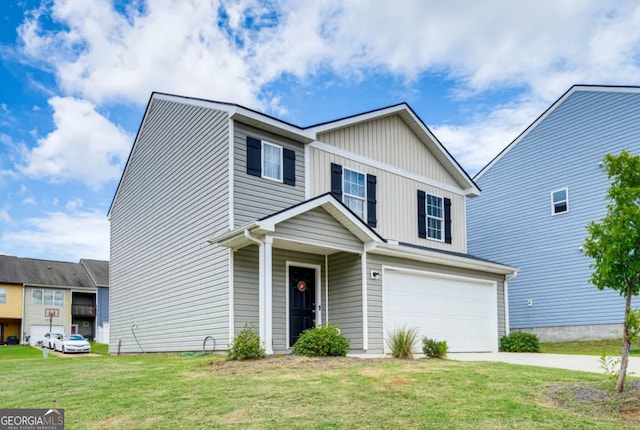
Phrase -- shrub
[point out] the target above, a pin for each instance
(520, 341)
(321, 342)
(246, 345)
(433, 348)
(401, 342)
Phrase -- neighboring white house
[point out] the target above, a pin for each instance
(539, 194)
(226, 216)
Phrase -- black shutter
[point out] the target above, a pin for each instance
(288, 166)
(447, 220)
(371, 201)
(422, 214)
(254, 156)
(336, 181)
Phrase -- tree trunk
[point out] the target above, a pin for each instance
(624, 361)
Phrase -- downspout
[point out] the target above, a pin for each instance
(507, 279)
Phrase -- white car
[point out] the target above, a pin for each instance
(47, 340)
(71, 343)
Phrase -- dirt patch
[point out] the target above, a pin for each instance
(288, 363)
(599, 399)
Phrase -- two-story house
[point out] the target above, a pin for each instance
(539, 194)
(226, 216)
(38, 296)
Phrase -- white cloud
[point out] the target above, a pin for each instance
(74, 203)
(58, 235)
(29, 200)
(84, 146)
(4, 216)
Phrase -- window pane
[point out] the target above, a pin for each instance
(354, 183)
(271, 161)
(356, 205)
(559, 196)
(48, 297)
(434, 228)
(434, 206)
(59, 298)
(3, 295)
(36, 297)
(560, 207)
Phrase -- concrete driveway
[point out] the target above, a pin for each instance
(584, 363)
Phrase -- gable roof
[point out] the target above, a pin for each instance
(546, 113)
(308, 134)
(15, 270)
(415, 123)
(338, 210)
(98, 271)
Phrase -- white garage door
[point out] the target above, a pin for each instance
(38, 331)
(462, 311)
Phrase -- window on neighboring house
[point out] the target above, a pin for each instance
(3, 296)
(560, 201)
(354, 191)
(47, 297)
(435, 217)
(271, 161)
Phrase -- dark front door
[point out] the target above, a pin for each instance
(302, 301)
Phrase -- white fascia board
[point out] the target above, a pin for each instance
(470, 192)
(440, 258)
(549, 111)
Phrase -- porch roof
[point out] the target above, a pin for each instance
(238, 238)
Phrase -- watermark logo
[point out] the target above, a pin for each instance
(31, 419)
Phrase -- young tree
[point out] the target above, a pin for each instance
(614, 243)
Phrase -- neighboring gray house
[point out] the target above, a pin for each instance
(226, 216)
(35, 287)
(98, 271)
(538, 196)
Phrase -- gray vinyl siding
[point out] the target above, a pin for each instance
(317, 227)
(345, 296)
(166, 279)
(374, 291)
(102, 311)
(511, 221)
(280, 289)
(396, 207)
(246, 277)
(255, 197)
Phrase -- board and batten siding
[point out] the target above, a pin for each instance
(374, 290)
(318, 227)
(390, 141)
(397, 206)
(511, 221)
(255, 197)
(345, 296)
(167, 282)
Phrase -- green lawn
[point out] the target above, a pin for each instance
(99, 348)
(589, 347)
(157, 391)
(12, 352)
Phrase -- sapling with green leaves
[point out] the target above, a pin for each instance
(614, 244)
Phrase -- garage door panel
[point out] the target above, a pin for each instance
(38, 331)
(462, 311)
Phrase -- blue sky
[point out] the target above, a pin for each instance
(75, 77)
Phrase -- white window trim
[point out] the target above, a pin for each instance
(3, 292)
(364, 199)
(42, 302)
(427, 216)
(553, 208)
(262, 161)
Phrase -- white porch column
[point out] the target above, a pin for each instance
(268, 294)
(261, 294)
(365, 306)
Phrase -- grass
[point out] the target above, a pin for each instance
(589, 347)
(168, 391)
(99, 348)
(14, 352)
